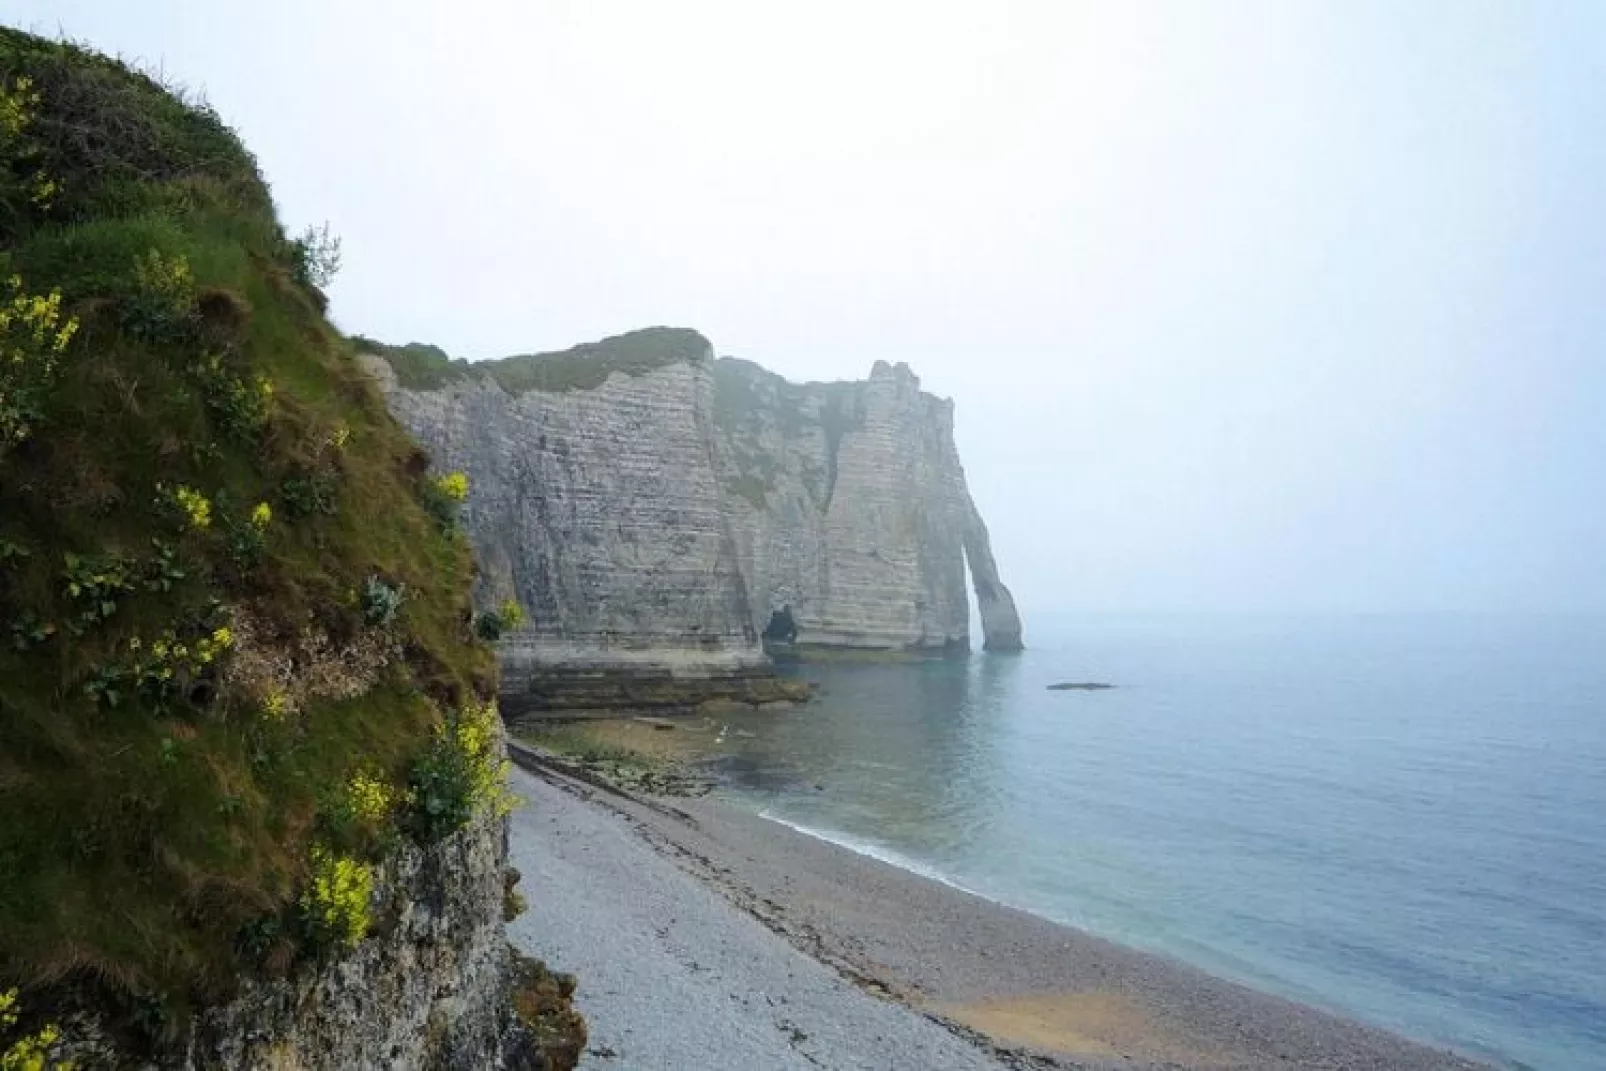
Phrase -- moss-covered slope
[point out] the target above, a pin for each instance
(234, 615)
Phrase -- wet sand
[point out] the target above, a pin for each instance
(1016, 989)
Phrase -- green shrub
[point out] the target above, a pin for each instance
(309, 494)
(491, 624)
(315, 256)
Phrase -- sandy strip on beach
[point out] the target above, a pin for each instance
(708, 937)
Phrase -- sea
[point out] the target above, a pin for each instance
(1398, 818)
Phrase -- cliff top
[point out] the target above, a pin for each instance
(423, 367)
(235, 609)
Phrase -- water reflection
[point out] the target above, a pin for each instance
(907, 753)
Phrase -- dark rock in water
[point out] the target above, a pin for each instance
(1086, 686)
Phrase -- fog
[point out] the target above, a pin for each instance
(1244, 306)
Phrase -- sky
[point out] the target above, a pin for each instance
(1278, 306)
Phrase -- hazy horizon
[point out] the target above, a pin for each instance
(1244, 306)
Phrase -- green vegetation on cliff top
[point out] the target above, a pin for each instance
(233, 639)
(585, 367)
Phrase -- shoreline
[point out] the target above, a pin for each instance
(1017, 989)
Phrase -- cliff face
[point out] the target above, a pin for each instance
(654, 509)
(595, 503)
(851, 513)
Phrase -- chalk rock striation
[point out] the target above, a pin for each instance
(851, 513)
(657, 512)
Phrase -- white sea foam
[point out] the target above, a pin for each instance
(880, 853)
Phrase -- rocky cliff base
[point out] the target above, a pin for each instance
(436, 986)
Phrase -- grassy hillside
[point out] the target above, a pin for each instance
(584, 367)
(235, 656)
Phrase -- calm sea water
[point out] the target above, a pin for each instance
(1398, 818)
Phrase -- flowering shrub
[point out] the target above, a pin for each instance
(490, 625)
(249, 540)
(162, 306)
(370, 797)
(33, 335)
(30, 1052)
(22, 187)
(240, 405)
(462, 774)
(163, 668)
(443, 496)
(335, 904)
(275, 706)
(357, 812)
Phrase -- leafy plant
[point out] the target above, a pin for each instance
(107, 685)
(12, 552)
(308, 494)
(381, 601)
(29, 631)
(163, 572)
(94, 585)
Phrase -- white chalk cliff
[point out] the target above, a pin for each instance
(653, 510)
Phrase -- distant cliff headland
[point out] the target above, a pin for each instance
(665, 517)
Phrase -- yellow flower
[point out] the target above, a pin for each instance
(31, 1051)
(454, 486)
(275, 706)
(338, 896)
(370, 798)
(194, 504)
(262, 516)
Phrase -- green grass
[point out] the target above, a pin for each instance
(585, 367)
(141, 840)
